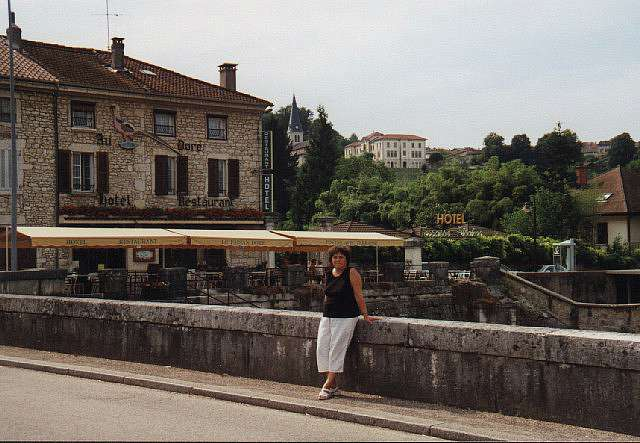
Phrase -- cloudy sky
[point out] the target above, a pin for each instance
(449, 70)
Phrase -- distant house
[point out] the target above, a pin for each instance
(465, 155)
(595, 150)
(395, 150)
(618, 209)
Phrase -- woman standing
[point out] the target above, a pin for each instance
(343, 304)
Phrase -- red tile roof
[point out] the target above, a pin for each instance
(90, 68)
(23, 67)
(624, 187)
(357, 226)
(398, 137)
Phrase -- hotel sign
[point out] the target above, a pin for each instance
(450, 219)
(266, 182)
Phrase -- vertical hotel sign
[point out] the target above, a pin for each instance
(266, 182)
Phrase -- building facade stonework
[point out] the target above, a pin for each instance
(129, 145)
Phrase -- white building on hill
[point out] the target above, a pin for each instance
(395, 150)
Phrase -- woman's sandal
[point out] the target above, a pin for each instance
(327, 393)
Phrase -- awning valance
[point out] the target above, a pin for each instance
(63, 237)
(236, 239)
(328, 239)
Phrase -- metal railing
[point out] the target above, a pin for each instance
(217, 134)
(84, 121)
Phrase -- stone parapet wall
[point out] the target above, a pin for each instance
(580, 286)
(581, 377)
(572, 314)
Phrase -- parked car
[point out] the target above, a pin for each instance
(552, 268)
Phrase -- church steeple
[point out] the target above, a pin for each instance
(295, 131)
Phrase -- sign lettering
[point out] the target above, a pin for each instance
(103, 140)
(450, 219)
(192, 147)
(267, 192)
(115, 200)
(203, 202)
(267, 150)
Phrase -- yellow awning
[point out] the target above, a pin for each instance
(235, 239)
(328, 239)
(63, 237)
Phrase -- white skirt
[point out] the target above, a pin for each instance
(334, 336)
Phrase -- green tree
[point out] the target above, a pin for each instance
(435, 158)
(493, 146)
(317, 172)
(521, 149)
(622, 150)
(556, 153)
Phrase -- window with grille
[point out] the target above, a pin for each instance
(83, 174)
(217, 127)
(83, 115)
(164, 123)
(5, 169)
(5, 110)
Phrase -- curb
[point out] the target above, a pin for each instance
(433, 429)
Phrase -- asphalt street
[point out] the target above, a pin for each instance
(44, 406)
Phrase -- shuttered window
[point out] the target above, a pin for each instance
(224, 178)
(82, 178)
(102, 176)
(183, 175)
(212, 166)
(64, 171)
(234, 178)
(165, 177)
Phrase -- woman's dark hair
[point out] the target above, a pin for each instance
(344, 250)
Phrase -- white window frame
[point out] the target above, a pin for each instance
(172, 114)
(217, 120)
(223, 177)
(172, 175)
(78, 172)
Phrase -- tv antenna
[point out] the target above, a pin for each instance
(108, 15)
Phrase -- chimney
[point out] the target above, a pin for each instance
(581, 175)
(14, 33)
(228, 75)
(117, 53)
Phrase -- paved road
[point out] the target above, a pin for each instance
(42, 406)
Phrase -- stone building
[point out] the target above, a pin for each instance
(395, 150)
(108, 140)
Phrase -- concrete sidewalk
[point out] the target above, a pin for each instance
(422, 418)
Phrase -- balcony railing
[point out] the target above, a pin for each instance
(83, 121)
(217, 134)
(165, 129)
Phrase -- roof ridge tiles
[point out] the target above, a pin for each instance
(167, 82)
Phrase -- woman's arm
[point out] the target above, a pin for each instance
(356, 284)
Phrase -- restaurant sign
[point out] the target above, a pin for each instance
(266, 182)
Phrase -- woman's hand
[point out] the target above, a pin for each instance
(370, 319)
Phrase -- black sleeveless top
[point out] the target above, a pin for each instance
(339, 300)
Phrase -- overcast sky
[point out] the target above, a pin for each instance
(451, 71)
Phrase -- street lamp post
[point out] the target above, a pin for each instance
(14, 162)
